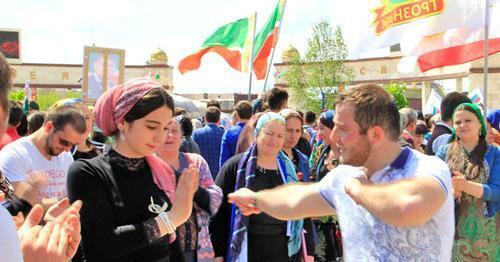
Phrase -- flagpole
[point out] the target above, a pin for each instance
(274, 48)
(251, 58)
(485, 68)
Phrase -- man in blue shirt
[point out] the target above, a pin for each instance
(209, 138)
(243, 111)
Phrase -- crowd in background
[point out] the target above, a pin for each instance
(134, 178)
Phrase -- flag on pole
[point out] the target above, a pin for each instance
(27, 95)
(232, 41)
(266, 40)
(433, 104)
(387, 22)
(452, 47)
(476, 96)
(279, 73)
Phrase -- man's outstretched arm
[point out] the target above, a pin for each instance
(403, 203)
(287, 202)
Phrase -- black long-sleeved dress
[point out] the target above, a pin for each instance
(116, 223)
(267, 239)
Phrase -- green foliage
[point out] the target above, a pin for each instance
(398, 92)
(46, 97)
(17, 95)
(321, 70)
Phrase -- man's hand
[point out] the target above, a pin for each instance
(246, 200)
(37, 179)
(353, 187)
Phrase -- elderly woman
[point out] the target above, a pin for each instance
(476, 182)
(263, 166)
(130, 212)
(193, 238)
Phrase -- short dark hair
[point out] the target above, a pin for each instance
(450, 102)
(213, 103)
(186, 126)
(310, 117)
(276, 98)
(33, 105)
(243, 109)
(35, 121)
(373, 105)
(66, 115)
(151, 101)
(15, 113)
(212, 115)
(6, 74)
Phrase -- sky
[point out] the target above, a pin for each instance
(56, 31)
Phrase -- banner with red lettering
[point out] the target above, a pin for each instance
(383, 23)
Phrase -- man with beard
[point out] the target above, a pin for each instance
(36, 165)
(393, 203)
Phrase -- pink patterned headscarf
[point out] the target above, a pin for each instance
(111, 108)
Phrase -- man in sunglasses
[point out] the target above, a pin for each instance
(36, 165)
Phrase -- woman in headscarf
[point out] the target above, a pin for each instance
(129, 211)
(294, 123)
(475, 166)
(193, 238)
(86, 149)
(263, 166)
(323, 159)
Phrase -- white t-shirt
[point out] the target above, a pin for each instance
(10, 250)
(367, 238)
(21, 157)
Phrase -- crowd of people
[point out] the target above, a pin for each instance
(133, 178)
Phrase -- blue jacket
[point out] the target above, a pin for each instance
(303, 165)
(491, 190)
(229, 142)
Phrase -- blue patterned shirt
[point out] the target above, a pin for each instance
(209, 139)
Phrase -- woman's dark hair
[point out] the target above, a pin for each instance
(151, 101)
(22, 129)
(35, 121)
(325, 122)
(459, 159)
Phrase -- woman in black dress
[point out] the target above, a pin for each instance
(128, 193)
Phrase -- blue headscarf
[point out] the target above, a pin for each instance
(266, 118)
(328, 116)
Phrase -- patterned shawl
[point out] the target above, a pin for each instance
(205, 250)
(239, 223)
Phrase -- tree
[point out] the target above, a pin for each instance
(398, 92)
(317, 76)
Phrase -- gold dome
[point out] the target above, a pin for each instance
(158, 56)
(289, 53)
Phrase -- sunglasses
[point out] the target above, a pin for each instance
(63, 142)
